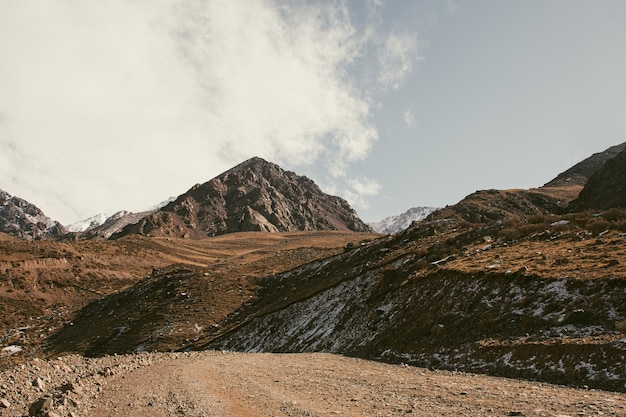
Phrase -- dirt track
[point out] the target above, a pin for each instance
(250, 385)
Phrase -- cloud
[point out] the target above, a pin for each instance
(360, 189)
(278, 88)
(396, 59)
(409, 119)
(118, 104)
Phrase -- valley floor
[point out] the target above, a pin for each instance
(214, 383)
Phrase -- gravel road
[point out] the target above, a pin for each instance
(249, 385)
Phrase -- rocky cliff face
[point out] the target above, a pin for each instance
(20, 218)
(606, 188)
(256, 195)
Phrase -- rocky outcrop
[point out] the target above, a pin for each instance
(606, 188)
(256, 195)
(487, 206)
(20, 218)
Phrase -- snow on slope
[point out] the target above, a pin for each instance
(101, 218)
(92, 221)
(395, 224)
(20, 218)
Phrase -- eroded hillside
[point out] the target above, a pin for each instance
(43, 284)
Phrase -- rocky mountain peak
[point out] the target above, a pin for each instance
(20, 218)
(255, 195)
(398, 223)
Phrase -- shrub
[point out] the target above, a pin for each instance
(598, 226)
(621, 226)
(614, 214)
(539, 219)
(581, 219)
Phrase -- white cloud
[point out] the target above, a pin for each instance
(360, 190)
(278, 87)
(409, 118)
(396, 59)
(117, 104)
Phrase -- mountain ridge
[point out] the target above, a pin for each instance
(255, 195)
(104, 225)
(581, 172)
(23, 219)
(397, 223)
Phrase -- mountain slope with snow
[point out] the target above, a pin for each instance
(20, 218)
(395, 224)
(88, 223)
(104, 225)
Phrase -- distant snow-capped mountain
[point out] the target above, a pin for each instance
(395, 224)
(104, 225)
(90, 222)
(20, 218)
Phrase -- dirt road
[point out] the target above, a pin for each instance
(251, 385)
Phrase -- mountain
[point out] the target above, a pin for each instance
(256, 195)
(581, 172)
(88, 223)
(113, 224)
(104, 225)
(395, 224)
(20, 218)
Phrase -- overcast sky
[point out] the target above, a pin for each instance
(111, 105)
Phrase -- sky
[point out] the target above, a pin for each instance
(390, 104)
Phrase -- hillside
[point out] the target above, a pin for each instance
(538, 300)
(256, 195)
(44, 283)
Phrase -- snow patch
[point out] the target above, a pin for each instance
(11, 349)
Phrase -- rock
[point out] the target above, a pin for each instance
(437, 329)
(40, 407)
(38, 382)
(4, 403)
(73, 387)
(578, 316)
